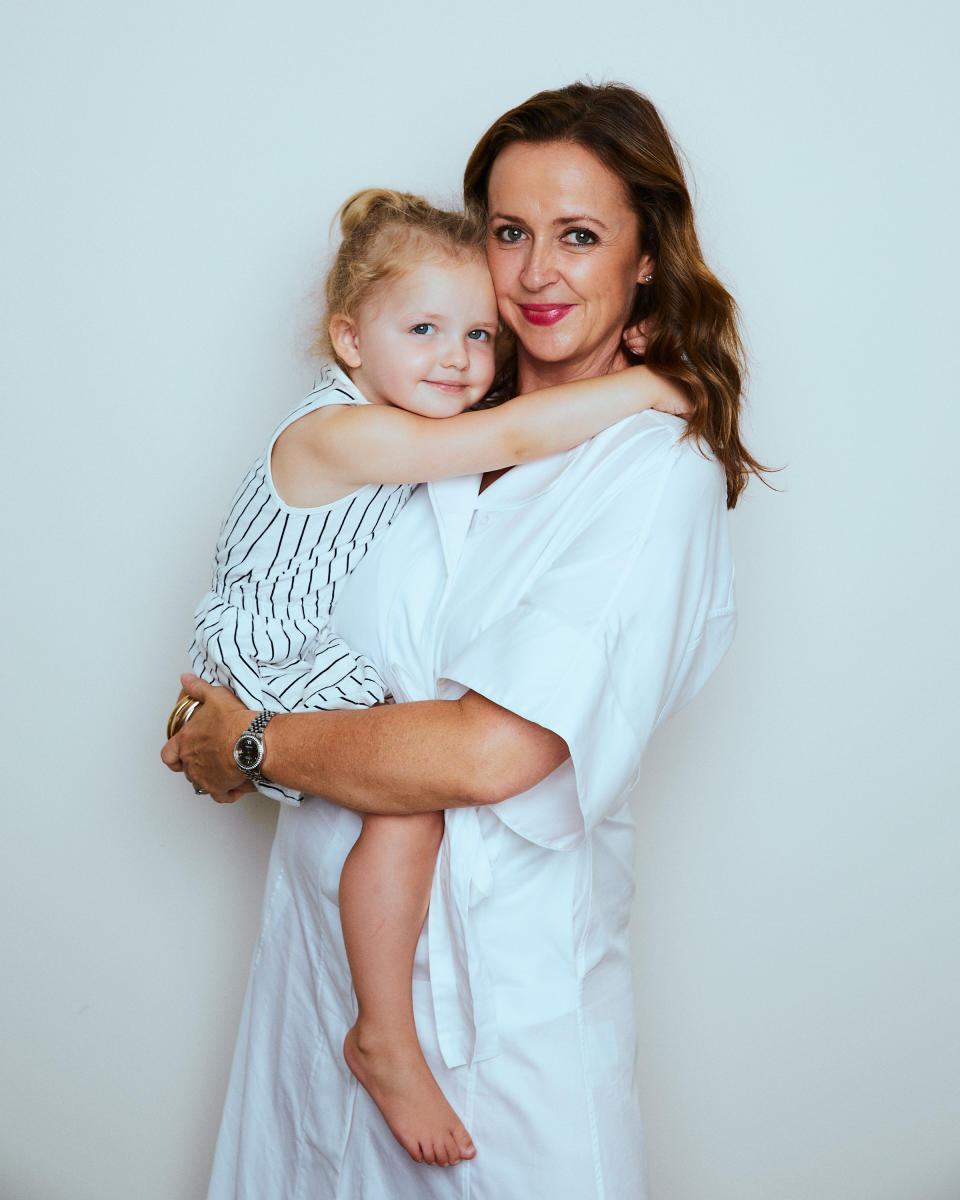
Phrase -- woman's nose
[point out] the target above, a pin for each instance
(539, 267)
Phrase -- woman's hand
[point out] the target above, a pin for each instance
(203, 749)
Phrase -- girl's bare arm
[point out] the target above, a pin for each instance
(349, 445)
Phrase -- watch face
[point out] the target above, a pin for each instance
(248, 752)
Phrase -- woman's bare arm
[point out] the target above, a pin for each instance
(393, 759)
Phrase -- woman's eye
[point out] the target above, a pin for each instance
(580, 237)
(479, 335)
(423, 328)
(508, 233)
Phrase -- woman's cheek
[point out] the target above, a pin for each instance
(504, 268)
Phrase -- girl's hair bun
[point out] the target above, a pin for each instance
(377, 204)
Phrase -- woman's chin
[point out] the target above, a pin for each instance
(582, 360)
(549, 344)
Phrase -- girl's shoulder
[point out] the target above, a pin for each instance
(296, 458)
(332, 387)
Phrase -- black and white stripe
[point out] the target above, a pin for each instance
(263, 629)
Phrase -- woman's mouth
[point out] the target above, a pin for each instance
(544, 314)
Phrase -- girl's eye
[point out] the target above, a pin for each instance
(508, 234)
(479, 335)
(423, 328)
(580, 237)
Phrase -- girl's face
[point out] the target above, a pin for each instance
(424, 341)
(563, 250)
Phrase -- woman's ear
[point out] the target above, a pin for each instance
(345, 340)
(645, 269)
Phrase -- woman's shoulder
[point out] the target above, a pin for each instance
(664, 514)
(650, 455)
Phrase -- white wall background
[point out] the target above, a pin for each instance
(170, 171)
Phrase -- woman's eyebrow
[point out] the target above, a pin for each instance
(571, 220)
(591, 220)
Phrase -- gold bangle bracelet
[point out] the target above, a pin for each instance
(182, 712)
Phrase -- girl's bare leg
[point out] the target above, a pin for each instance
(384, 894)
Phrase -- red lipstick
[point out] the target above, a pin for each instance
(544, 314)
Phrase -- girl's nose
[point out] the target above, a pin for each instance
(454, 354)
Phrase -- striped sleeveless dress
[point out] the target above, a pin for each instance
(263, 629)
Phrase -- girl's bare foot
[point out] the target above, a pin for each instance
(402, 1086)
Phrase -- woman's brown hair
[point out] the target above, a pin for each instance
(691, 319)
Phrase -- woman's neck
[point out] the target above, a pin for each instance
(533, 374)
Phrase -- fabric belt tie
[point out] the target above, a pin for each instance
(462, 994)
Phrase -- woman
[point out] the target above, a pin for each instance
(553, 618)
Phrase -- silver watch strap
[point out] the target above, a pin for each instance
(259, 723)
(257, 726)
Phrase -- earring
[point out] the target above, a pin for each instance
(648, 279)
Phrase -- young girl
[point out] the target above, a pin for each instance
(410, 323)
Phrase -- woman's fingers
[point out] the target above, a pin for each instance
(196, 687)
(205, 744)
(170, 754)
(232, 796)
(203, 748)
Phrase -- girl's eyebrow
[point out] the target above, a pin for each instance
(418, 317)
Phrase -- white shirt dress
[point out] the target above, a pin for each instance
(592, 593)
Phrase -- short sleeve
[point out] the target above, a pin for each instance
(617, 632)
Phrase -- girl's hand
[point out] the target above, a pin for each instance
(636, 337)
(672, 400)
(203, 749)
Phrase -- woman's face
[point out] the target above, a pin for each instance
(563, 249)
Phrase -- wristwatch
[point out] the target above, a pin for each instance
(248, 750)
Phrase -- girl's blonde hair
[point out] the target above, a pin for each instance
(384, 234)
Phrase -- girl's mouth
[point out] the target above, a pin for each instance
(446, 385)
(544, 314)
